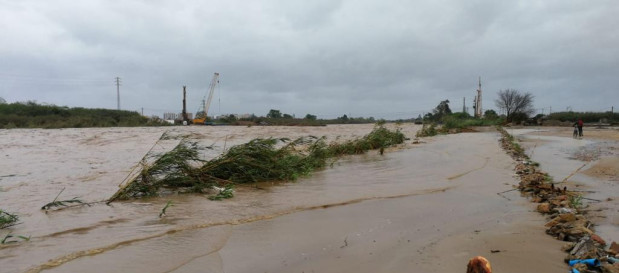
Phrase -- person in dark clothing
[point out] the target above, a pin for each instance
(579, 124)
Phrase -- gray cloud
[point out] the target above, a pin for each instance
(387, 59)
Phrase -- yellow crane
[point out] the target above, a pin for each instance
(202, 113)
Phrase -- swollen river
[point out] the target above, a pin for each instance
(367, 213)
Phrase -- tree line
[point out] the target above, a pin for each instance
(33, 115)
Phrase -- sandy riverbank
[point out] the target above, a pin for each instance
(424, 208)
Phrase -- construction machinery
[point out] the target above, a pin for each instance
(202, 113)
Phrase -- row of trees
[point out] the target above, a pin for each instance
(33, 115)
(517, 107)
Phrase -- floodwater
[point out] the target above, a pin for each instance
(589, 165)
(425, 207)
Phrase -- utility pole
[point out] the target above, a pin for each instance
(612, 109)
(463, 104)
(118, 93)
(142, 111)
(184, 104)
(478, 111)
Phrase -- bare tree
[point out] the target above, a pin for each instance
(514, 102)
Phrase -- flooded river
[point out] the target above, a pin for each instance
(425, 207)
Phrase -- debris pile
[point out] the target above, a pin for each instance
(566, 222)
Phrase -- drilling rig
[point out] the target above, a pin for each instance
(202, 113)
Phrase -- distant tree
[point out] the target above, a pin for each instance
(228, 118)
(2, 101)
(419, 119)
(490, 114)
(310, 117)
(441, 110)
(343, 118)
(274, 114)
(515, 103)
(287, 116)
(428, 116)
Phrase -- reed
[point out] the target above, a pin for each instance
(259, 160)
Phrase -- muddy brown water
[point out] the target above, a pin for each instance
(420, 208)
(587, 165)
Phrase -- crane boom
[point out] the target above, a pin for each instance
(202, 115)
(210, 93)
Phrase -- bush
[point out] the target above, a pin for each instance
(589, 117)
(33, 115)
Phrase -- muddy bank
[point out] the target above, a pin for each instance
(427, 207)
(588, 165)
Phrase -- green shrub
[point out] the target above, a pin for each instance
(33, 115)
(7, 219)
(256, 161)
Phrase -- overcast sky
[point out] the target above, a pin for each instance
(386, 59)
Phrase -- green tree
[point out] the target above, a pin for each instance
(442, 109)
(491, 114)
(310, 117)
(274, 114)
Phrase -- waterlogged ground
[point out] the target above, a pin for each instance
(424, 207)
(589, 165)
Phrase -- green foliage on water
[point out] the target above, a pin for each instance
(62, 203)
(10, 239)
(175, 169)
(226, 193)
(258, 160)
(165, 208)
(7, 219)
(33, 115)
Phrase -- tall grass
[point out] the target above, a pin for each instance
(256, 161)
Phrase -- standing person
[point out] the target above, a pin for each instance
(580, 123)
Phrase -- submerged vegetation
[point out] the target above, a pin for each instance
(33, 115)
(7, 219)
(165, 208)
(62, 203)
(10, 239)
(259, 160)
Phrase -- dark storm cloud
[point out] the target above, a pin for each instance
(365, 58)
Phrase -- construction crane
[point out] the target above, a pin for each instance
(202, 113)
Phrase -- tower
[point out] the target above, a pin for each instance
(478, 111)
